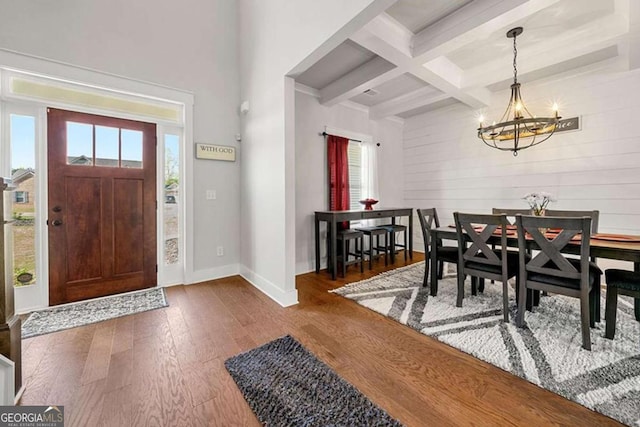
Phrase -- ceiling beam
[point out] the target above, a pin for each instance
(418, 98)
(389, 40)
(471, 23)
(357, 81)
(448, 77)
(397, 45)
(604, 33)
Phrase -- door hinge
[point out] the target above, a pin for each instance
(156, 268)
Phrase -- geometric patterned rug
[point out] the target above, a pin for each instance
(547, 352)
(83, 313)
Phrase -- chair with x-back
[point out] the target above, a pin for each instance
(594, 215)
(550, 270)
(595, 219)
(477, 258)
(429, 220)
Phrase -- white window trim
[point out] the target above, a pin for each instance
(171, 274)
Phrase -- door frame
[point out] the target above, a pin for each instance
(38, 296)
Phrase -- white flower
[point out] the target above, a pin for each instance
(538, 201)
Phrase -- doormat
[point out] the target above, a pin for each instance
(547, 352)
(286, 385)
(86, 312)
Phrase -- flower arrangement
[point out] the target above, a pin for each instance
(538, 201)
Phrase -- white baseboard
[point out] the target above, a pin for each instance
(285, 299)
(213, 273)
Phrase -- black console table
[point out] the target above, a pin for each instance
(334, 217)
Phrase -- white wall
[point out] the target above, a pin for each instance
(311, 165)
(278, 37)
(189, 45)
(598, 167)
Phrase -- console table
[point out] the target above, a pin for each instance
(332, 218)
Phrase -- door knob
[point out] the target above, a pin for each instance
(56, 222)
(56, 209)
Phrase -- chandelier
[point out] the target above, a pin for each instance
(517, 129)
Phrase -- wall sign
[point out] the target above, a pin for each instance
(215, 152)
(568, 124)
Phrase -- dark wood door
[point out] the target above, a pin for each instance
(102, 205)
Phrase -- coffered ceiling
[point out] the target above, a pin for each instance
(422, 55)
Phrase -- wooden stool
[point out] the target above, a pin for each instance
(392, 229)
(346, 236)
(377, 232)
(620, 282)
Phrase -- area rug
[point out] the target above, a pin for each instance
(286, 385)
(83, 313)
(548, 352)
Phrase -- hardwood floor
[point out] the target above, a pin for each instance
(165, 367)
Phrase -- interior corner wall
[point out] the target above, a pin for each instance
(276, 36)
(598, 167)
(189, 45)
(311, 166)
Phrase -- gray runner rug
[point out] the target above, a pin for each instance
(285, 385)
(83, 313)
(547, 352)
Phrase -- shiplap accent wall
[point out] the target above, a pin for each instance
(598, 167)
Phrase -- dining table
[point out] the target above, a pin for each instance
(332, 218)
(622, 247)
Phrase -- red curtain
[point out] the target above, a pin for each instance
(338, 174)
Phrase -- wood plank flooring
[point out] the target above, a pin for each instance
(165, 367)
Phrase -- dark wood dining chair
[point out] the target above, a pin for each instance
(511, 217)
(428, 220)
(550, 270)
(595, 220)
(620, 282)
(594, 215)
(477, 258)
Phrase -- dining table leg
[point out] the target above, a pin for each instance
(317, 231)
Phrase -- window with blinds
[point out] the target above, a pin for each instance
(354, 154)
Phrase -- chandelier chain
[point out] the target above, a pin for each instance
(515, 55)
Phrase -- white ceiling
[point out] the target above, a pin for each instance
(417, 15)
(422, 55)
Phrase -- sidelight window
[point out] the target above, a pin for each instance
(171, 205)
(22, 135)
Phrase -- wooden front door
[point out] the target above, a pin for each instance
(102, 205)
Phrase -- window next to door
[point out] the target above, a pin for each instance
(22, 136)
